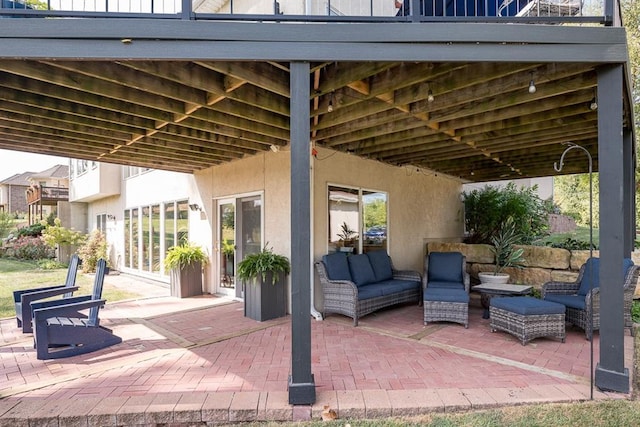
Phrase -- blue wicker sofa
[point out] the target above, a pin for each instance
(357, 285)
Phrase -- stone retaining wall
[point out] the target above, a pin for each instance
(542, 264)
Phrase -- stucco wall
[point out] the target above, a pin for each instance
(421, 205)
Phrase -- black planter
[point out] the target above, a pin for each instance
(264, 301)
(186, 282)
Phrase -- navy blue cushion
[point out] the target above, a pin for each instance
(527, 305)
(337, 266)
(381, 264)
(369, 291)
(446, 295)
(361, 270)
(396, 285)
(591, 276)
(592, 271)
(445, 285)
(574, 301)
(445, 267)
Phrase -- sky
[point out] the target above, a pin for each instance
(13, 162)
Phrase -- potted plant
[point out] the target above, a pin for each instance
(347, 237)
(184, 263)
(505, 253)
(265, 287)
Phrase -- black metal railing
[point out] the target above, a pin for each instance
(528, 11)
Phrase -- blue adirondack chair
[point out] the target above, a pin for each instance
(59, 332)
(25, 298)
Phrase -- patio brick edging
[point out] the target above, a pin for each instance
(196, 408)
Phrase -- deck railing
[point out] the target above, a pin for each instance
(526, 11)
(37, 193)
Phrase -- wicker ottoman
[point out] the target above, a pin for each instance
(446, 305)
(527, 317)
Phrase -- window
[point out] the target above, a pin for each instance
(149, 232)
(101, 223)
(130, 171)
(357, 219)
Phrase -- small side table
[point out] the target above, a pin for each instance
(489, 290)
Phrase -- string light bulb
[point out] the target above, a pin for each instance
(330, 106)
(593, 106)
(532, 85)
(430, 97)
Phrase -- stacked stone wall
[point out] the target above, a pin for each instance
(542, 264)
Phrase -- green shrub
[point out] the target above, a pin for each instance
(635, 311)
(92, 250)
(33, 230)
(571, 244)
(56, 234)
(6, 222)
(50, 264)
(488, 208)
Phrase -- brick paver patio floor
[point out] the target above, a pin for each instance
(199, 359)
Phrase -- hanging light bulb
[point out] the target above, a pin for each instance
(593, 106)
(330, 106)
(532, 85)
(430, 97)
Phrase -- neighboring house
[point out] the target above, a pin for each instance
(46, 190)
(260, 129)
(35, 194)
(12, 193)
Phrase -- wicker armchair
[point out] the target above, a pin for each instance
(446, 288)
(578, 299)
(355, 300)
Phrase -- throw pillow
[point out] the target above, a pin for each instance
(361, 270)
(381, 265)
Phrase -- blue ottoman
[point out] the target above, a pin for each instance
(527, 317)
(446, 305)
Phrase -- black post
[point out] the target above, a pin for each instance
(611, 373)
(302, 389)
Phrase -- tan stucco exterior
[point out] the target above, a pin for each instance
(422, 206)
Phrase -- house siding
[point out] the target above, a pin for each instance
(17, 199)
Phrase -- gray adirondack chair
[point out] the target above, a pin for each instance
(24, 298)
(59, 332)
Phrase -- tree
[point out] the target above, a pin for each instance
(572, 191)
(487, 209)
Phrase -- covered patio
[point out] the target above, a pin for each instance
(472, 99)
(231, 368)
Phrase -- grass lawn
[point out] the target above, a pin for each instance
(622, 413)
(580, 234)
(16, 275)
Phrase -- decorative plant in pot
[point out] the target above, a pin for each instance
(505, 253)
(184, 263)
(264, 276)
(348, 237)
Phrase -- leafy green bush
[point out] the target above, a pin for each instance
(56, 234)
(6, 222)
(571, 244)
(488, 208)
(92, 250)
(33, 230)
(635, 311)
(50, 264)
